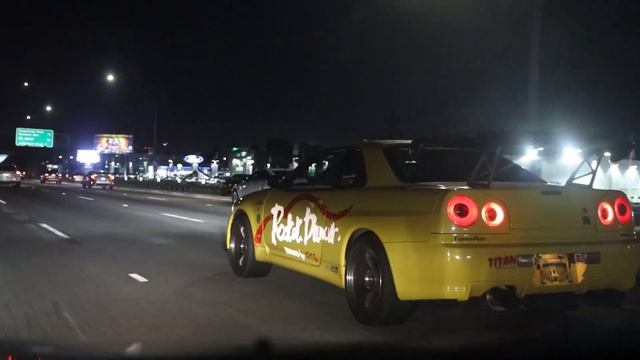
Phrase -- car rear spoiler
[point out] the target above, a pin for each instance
(491, 146)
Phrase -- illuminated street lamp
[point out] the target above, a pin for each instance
(28, 117)
(26, 84)
(110, 77)
(48, 108)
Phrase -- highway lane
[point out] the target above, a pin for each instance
(81, 268)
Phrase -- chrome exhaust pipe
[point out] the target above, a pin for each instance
(501, 298)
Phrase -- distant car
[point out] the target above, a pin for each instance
(52, 175)
(23, 174)
(230, 183)
(9, 175)
(256, 182)
(77, 177)
(98, 178)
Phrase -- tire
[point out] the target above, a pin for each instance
(41, 181)
(235, 197)
(370, 290)
(241, 253)
(17, 185)
(110, 187)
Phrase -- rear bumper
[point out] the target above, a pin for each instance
(9, 181)
(430, 270)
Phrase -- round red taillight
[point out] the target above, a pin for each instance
(462, 210)
(492, 214)
(622, 209)
(605, 213)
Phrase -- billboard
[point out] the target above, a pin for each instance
(113, 143)
(34, 137)
(88, 156)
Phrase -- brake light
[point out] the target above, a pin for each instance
(462, 210)
(605, 213)
(18, 173)
(93, 176)
(492, 214)
(111, 177)
(622, 209)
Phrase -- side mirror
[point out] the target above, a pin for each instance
(276, 182)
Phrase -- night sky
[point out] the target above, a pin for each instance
(241, 72)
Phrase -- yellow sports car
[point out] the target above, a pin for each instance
(393, 222)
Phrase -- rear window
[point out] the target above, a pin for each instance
(416, 166)
(7, 168)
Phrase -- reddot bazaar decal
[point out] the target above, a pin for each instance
(301, 230)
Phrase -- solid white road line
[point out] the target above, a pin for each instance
(54, 230)
(183, 217)
(138, 277)
(3, 202)
(125, 205)
(75, 327)
(85, 198)
(133, 349)
(155, 198)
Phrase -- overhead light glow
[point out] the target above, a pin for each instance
(571, 155)
(531, 154)
(607, 154)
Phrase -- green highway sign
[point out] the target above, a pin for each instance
(34, 137)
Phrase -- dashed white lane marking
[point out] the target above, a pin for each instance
(209, 205)
(54, 230)
(44, 190)
(75, 327)
(85, 198)
(3, 202)
(183, 217)
(133, 349)
(156, 198)
(125, 205)
(125, 194)
(138, 277)
(64, 193)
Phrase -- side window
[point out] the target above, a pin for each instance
(261, 175)
(352, 170)
(341, 168)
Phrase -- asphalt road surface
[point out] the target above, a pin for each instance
(132, 272)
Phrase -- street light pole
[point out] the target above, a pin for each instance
(155, 128)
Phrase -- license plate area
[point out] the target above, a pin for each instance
(558, 269)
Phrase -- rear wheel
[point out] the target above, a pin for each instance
(110, 187)
(241, 252)
(370, 290)
(17, 185)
